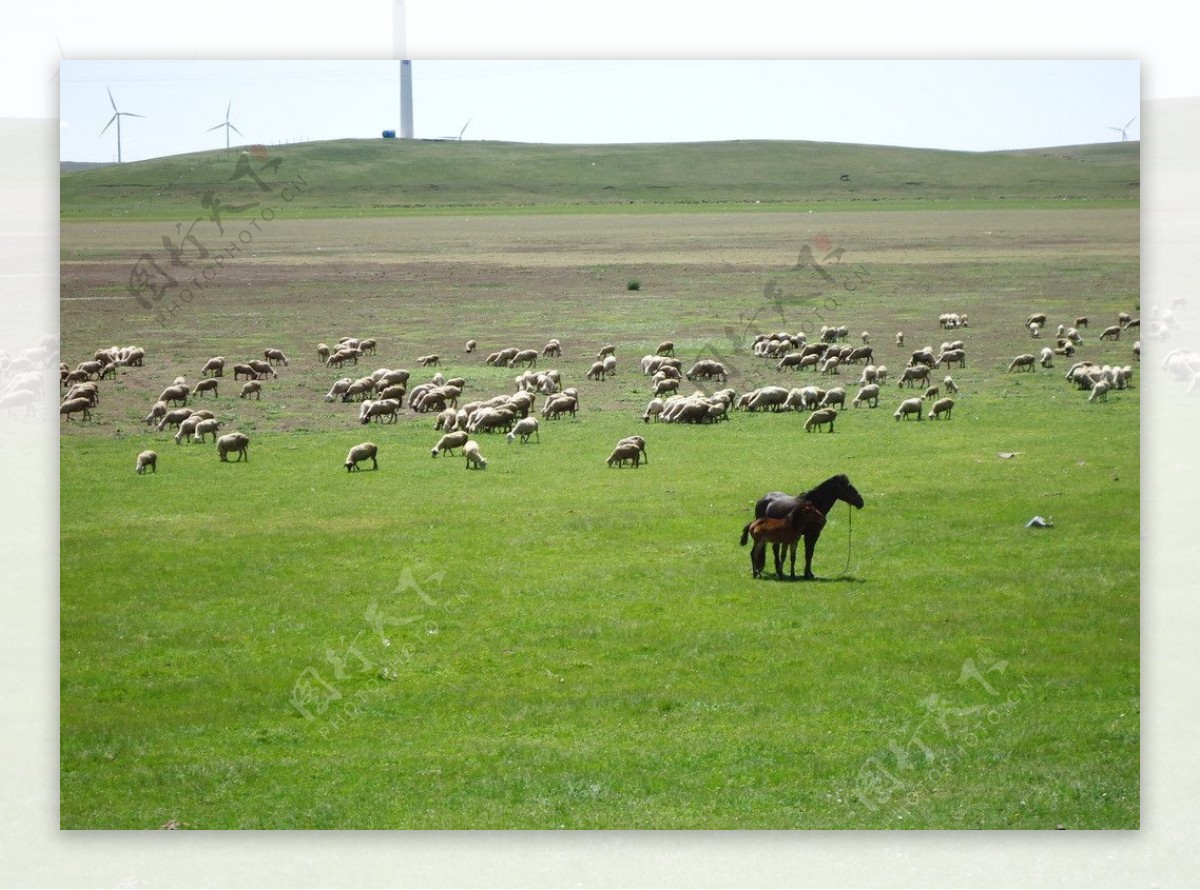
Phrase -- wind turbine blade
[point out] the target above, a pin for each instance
(1131, 120)
(109, 124)
(235, 129)
(464, 129)
(111, 99)
(227, 107)
(217, 127)
(131, 114)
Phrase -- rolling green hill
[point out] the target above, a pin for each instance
(385, 177)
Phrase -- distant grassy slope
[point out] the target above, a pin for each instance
(378, 177)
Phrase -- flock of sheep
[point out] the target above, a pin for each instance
(383, 395)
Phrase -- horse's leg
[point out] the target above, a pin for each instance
(810, 544)
(758, 554)
(792, 550)
(779, 554)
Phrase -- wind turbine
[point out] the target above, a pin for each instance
(117, 115)
(227, 125)
(1124, 130)
(458, 138)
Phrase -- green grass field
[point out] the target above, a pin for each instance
(552, 643)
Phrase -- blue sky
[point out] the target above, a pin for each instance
(968, 105)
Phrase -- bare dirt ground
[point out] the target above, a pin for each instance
(708, 281)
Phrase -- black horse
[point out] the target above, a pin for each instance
(777, 505)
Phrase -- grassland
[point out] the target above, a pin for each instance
(386, 177)
(551, 643)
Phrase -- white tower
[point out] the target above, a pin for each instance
(406, 114)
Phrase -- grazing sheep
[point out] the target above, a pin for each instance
(1046, 359)
(552, 349)
(940, 407)
(362, 387)
(323, 352)
(241, 369)
(868, 394)
(427, 361)
(204, 427)
(930, 393)
(830, 365)
(366, 347)
(360, 453)
(449, 442)
(900, 339)
(157, 412)
(913, 375)
(1100, 391)
(75, 406)
(1038, 318)
(275, 356)
(819, 418)
(1123, 319)
(175, 394)
(951, 386)
(474, 458)
(625, 451)
(1112, 332)
(596, 372)
(234, 443)
(215, 366)
(1081, 321)
(952, 357)
(262, 369)
(562, 403)
(666, 347)
(1023, 362)
(377, 411)
(525, 427)
(610, 365)
(252, 388)
(1035, 330)
(209, 385)
(708, 369)
(908, 407)
(524, 357)
(835, 396)
(666, 387)
(772, 397)
(606, 351)
(146, 459)
(639, 442)
(470, 346)
(654, 409)
(187, 427)
(174, 418)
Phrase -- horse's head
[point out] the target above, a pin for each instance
(848, 493)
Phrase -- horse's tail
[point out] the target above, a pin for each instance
(746, 534)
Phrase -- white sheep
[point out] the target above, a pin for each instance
(951, 386)
(187, 427)
(940, 407)
(204, 386)
(474, 458)
(525, 427)
(1046, 358)
(835, 396)
(654, 409)
(76, 406)
(144, 460)
(868, 394)
(360, 453)
(157, 411)
(900, 339)
(1023, 362)
(215, 366)
(907, 407)
(625, 451)
(1100, 391)
(275, 356)
(819, 418)
(234, 443)
(204, 427)
(448, 442)
(251, 388)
